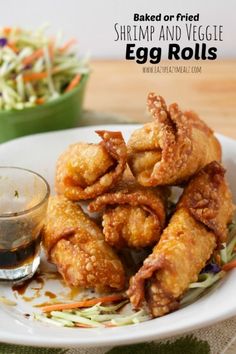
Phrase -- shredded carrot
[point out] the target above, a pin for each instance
(85, 303)
(40, 100)
(218, 259)
(7, 30)
(109, 324)
(12, 45)
(74, 82)
(35, 55)
(82, 325)
(51, 49)
(67, 45)
(38, 54)
(35, 76)
(229, 266)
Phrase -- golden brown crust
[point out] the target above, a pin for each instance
(186, 244)
(184, 248)
(137, 287)
(85, 171)
(172, 148)
(205, 196)
(134, 216)
(196, 122)
(76, 245)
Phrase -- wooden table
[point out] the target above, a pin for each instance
(120, 88)
(117, 92)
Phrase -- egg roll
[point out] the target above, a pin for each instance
(75, 244)
(171, 148)
(133, 216)
(87, 170)
(197, 227)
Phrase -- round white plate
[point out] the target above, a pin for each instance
(39, 153)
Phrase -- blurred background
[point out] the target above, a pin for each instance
(92, 22)
(117, 89)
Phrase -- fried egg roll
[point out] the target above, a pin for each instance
(194, 231)
(172, 148)
(133, 216)
(75, 244)
(85, 170)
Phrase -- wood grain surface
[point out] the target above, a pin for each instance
(120, 88)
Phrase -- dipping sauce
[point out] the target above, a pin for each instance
(21, 255)
(23, 205)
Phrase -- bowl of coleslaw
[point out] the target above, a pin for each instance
(42, 83)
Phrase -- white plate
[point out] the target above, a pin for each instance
(39, 153)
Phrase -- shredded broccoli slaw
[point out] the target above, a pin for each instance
(97, 316)
(213, 271)
(35, 69)
(103, 312)
(109, 316)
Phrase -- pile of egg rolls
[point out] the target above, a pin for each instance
(128, 185)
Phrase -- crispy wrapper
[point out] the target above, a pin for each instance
(76, 245)
(85, 170)
(133, 216)
(195, 229)
(172, 148)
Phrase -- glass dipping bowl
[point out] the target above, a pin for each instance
(23, 204)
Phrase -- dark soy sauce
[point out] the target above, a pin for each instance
(16, 257)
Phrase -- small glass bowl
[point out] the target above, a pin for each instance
(23, 204)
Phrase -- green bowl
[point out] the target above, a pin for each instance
(62, 113)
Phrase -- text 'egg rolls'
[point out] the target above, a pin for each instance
(85, 170)
(172, 148)
(76, 245)
(195, 229)
(133, 216)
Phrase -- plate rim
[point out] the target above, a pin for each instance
(104, 340)
(67, 342)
